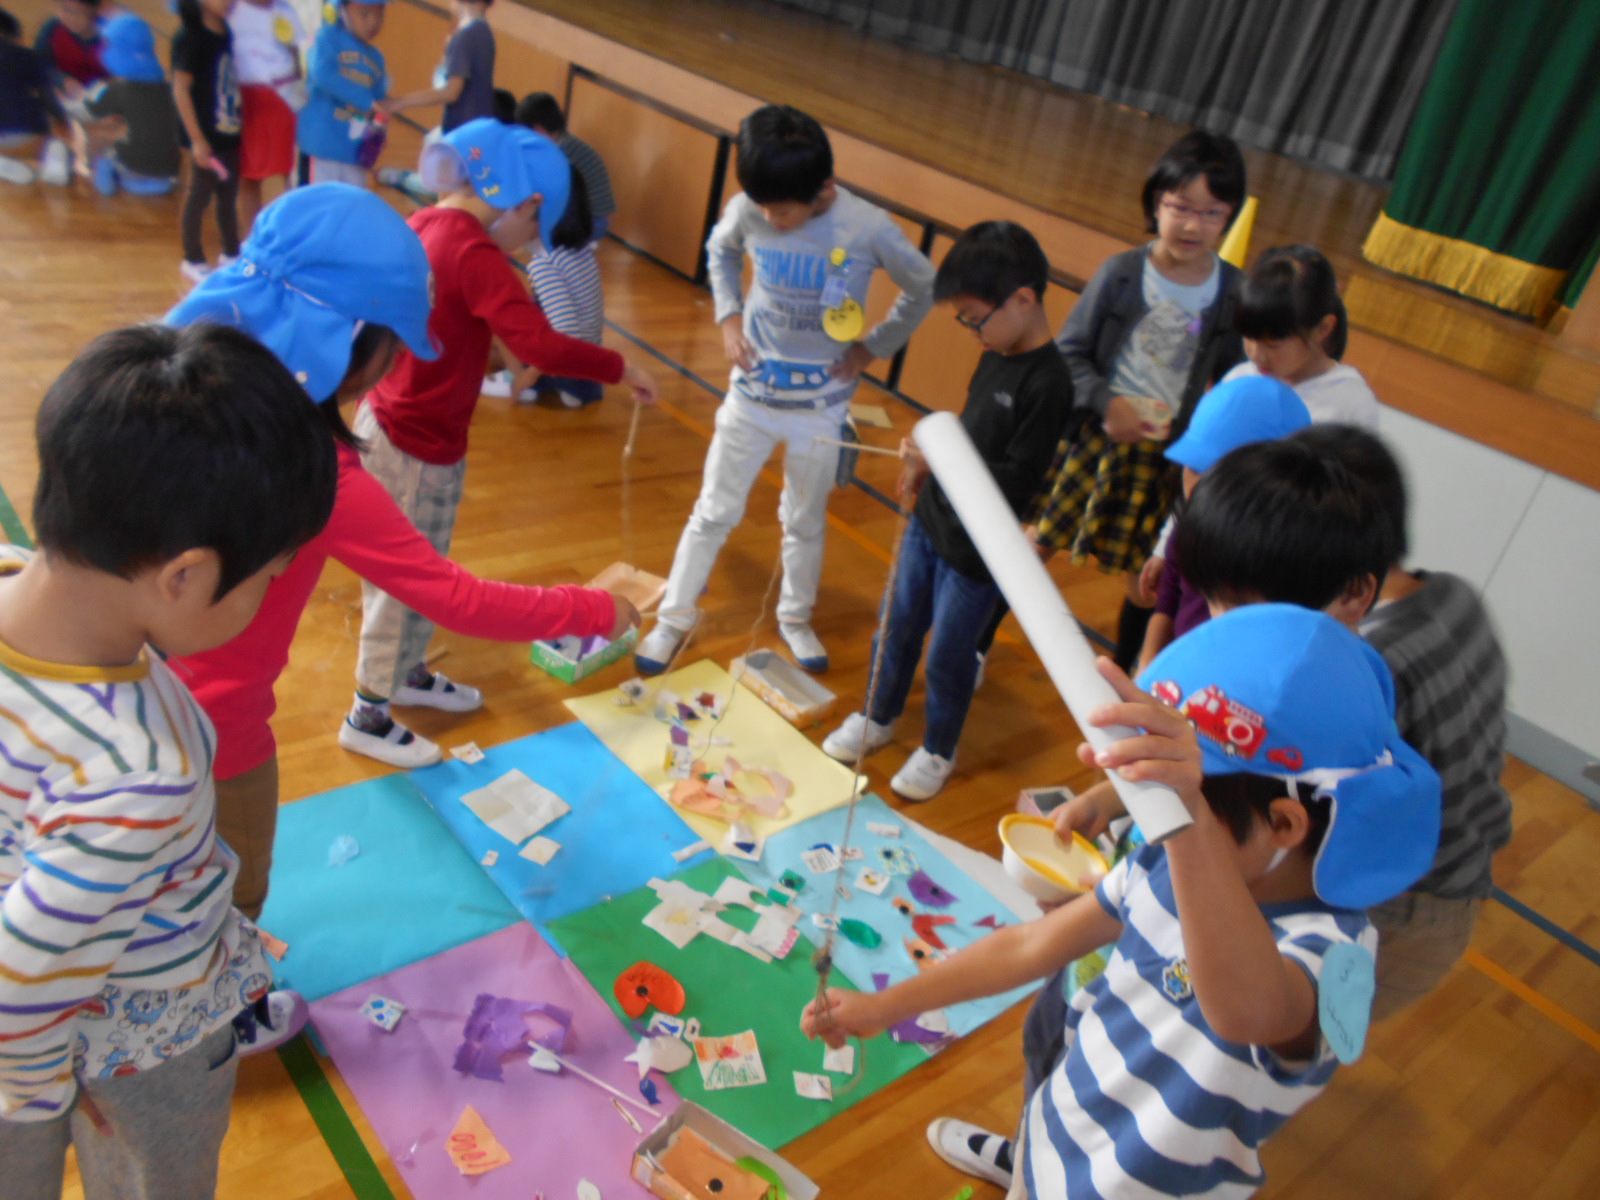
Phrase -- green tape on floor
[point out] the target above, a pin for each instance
(322, 1102)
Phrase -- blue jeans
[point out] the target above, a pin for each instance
(931, 594)
(587, 390)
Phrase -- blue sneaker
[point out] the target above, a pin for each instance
(105, 176)
(806, 646)
(659, 647)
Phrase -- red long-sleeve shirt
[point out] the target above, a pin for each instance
(372, 537)
(426, 407)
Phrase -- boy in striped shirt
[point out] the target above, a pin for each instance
(179, 470)
(1242, 971)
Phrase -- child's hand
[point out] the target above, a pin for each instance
(1089, 812)
(627, 617)
(1045, 553)
(913, 470)
(1166, 752)
(737, 347)
(852, 362)
(1150, 579)
(1122, 421)
(201, 151)
(523, 379)
(643, 384)
(841, 1015)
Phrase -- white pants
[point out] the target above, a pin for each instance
(326, 170)
(746, 435)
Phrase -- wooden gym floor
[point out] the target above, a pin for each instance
(1489, 1087)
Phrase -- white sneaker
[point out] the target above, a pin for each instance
(195, 272)
(440, 693)
(568, 400)
(922, 776)
(846, 742)
(55, 165)
(659, 647)
(497, 386)
(397, 745)
(983, 665)
(952, 1140)
(226, 260)
(13, 171)
(288, 1012)
(806, 647)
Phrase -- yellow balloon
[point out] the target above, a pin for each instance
(845, 323)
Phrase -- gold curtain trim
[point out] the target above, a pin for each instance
(1475, 271)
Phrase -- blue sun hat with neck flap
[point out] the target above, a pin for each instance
(1288, 692)
(128, 50)
(506, 166)
(321, 264)
(1238, 412)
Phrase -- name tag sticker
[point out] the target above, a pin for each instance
(1344, 999)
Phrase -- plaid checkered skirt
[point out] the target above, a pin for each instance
(1108, 500)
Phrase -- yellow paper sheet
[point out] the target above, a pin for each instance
(758, 737)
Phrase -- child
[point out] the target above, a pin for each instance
(1019, 399)
(1294, 328)
(415, 422)
(797, 347)
(146, 157)
(1238, 411)
(266, 46)
(345, 79)
(331, 281)
(124, 968)
(28, 107)
(565, 277)
(1203, 1035)
(1311, 500)
(541, 112)
(464, 81)
(1150, 333)
(68, 46)
(205, 86)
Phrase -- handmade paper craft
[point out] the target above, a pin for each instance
(664, 1054)
(660, 1022)
(588, 1191)
(990, 922)
(813, 1087)
(490, 857)
(930, 1030)
(840, 1060)
(467, 752)
(551, 1063)
(860, 933)
(921, 953)
(820, 860)
(412, 893)
(707, 1174)
(561, 1130)
(622, 1111)
(632, 691)
(685, 853)
(922, 886)
(757, 734)
(925, 924)
(883, 829)
(730, 992)
(276, 947)
(516, 807)
(473, 1147)
(541, 850)
(644, 985)
(497, 1027)
(729, 1062)
(872, 881)
(741, 842)
(617, 835)
(385, 1014)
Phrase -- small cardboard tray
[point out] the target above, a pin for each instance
(640, 588)
(794, 695)
(725, 1140)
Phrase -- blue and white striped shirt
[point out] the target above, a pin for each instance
(567, 285)
(1148, 1101)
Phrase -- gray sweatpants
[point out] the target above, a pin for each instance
(167, 1126)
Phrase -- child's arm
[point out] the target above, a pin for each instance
(325, 75)
(1248, 990)
(725, 269)
(1157, 637)
(182, 82)
(554, 296)
(1005, 959)
(448, 94)
(913, 275)
(369, 534)
(1091, 386)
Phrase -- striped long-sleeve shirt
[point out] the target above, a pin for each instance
(119, 943)
(567, 286)
(1450, 704)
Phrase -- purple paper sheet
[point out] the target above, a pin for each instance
(497, 1026)
(559, 1128)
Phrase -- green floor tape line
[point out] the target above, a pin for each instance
(322, 1102)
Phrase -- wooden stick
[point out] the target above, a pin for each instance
(861, 446)
(633, 430)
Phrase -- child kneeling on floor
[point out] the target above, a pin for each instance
(1209, 1027)
(1017, 406)
(179, 471)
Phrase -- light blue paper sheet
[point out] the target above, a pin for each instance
(858, 964)
(618, 836)
(411, 892)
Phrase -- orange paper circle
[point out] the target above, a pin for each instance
(645, 984)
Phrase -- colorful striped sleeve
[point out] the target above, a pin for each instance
(555, 296)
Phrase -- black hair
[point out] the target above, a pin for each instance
(1197, 154)
(575, 230)
(371, 344)
(1288, 293)
(189, 11)
(784, 155)
(1238, 801)
(990, 261)
(540, 110)
(505, 106)
(157, 440)
(1295, 521)
(10, 27)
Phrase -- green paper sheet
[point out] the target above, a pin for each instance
(729, 991)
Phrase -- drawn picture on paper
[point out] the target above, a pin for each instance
(729, 1062)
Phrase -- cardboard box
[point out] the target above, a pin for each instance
(566, 660)
(797, 698)
(724, 1139)
(640, 588)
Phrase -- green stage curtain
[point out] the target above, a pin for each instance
(1497, 194)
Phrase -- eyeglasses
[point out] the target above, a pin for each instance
(977, 326)
(1205, 216)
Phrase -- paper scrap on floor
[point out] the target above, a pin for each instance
(515, 807)
(731, 1061)
(813, 1087)
(473, 1147)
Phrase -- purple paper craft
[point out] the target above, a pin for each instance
(922, 886)
(498, 1026)
(680, 736)
(567, 1129)
(908, 1030)
(647, 1089)
(686, 713)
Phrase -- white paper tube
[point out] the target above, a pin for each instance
(1039, 606)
